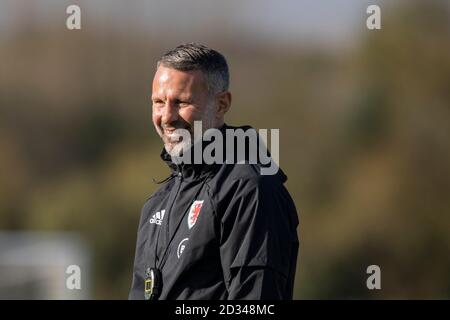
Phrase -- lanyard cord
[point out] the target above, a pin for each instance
(168, 211)
(156, 247)
(161, 262)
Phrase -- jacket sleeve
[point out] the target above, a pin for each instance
(258, 241)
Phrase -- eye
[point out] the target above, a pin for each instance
(183, 103)
(158, 102)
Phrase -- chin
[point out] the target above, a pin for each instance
(176, 150)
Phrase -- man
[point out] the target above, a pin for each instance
(217, 231)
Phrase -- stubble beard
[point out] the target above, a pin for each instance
(175, 145)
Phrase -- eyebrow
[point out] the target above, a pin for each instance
(188, 99)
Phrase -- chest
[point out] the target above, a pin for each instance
(180, 227)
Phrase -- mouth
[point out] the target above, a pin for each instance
(172, 137)
(171, 131)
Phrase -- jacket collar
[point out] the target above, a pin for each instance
(198, 171)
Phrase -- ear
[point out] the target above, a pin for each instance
(223, 100)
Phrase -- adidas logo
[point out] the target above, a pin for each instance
(157, 217)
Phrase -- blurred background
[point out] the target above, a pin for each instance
(364, 119)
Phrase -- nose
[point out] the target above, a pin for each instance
(169, 113)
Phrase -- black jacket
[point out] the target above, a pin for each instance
(221, 231)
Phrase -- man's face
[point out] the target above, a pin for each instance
(178, 99)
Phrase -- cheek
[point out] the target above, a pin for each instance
(156, 117)
(189, 114)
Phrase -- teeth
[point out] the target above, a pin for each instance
(174, 137)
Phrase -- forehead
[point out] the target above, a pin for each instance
(168, 81)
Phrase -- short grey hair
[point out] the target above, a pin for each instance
(193, 56)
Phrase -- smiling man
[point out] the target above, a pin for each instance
(217, 231)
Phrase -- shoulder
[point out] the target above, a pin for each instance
(242, 180)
